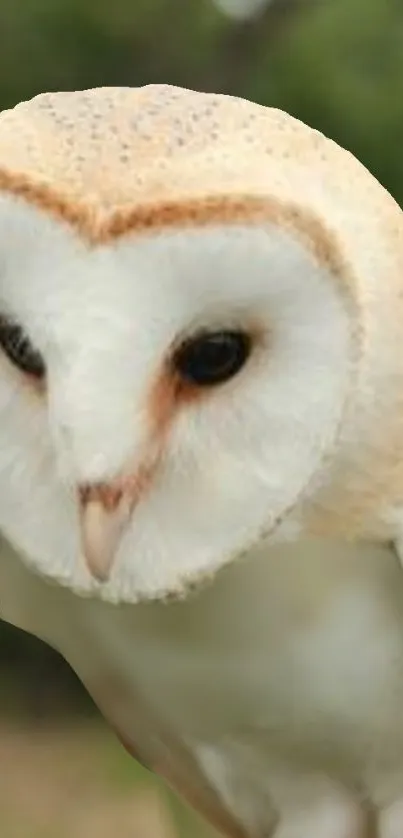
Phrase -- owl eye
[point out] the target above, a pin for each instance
(212, 357)
(19, 349)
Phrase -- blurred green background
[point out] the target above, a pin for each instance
(336, 64)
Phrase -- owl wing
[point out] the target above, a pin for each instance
(59, 618)
(147, 739)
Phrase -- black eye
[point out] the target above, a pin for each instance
(212, 357)
(18, 348)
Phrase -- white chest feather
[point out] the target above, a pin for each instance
(282, 684)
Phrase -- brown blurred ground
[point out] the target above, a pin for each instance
(75, 782)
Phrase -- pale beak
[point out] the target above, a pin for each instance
(105, 514)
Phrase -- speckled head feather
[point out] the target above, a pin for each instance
(105, 153)
(214, 198)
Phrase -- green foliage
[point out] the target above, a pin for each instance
(341, 70)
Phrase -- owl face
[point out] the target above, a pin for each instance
(200, 330)
(186, 383)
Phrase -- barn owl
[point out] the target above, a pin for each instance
(201, 446)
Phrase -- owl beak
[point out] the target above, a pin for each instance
(105, 513)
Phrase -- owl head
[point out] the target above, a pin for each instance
(201, 308)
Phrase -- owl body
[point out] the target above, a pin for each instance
(201, 447)
(271, 700)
